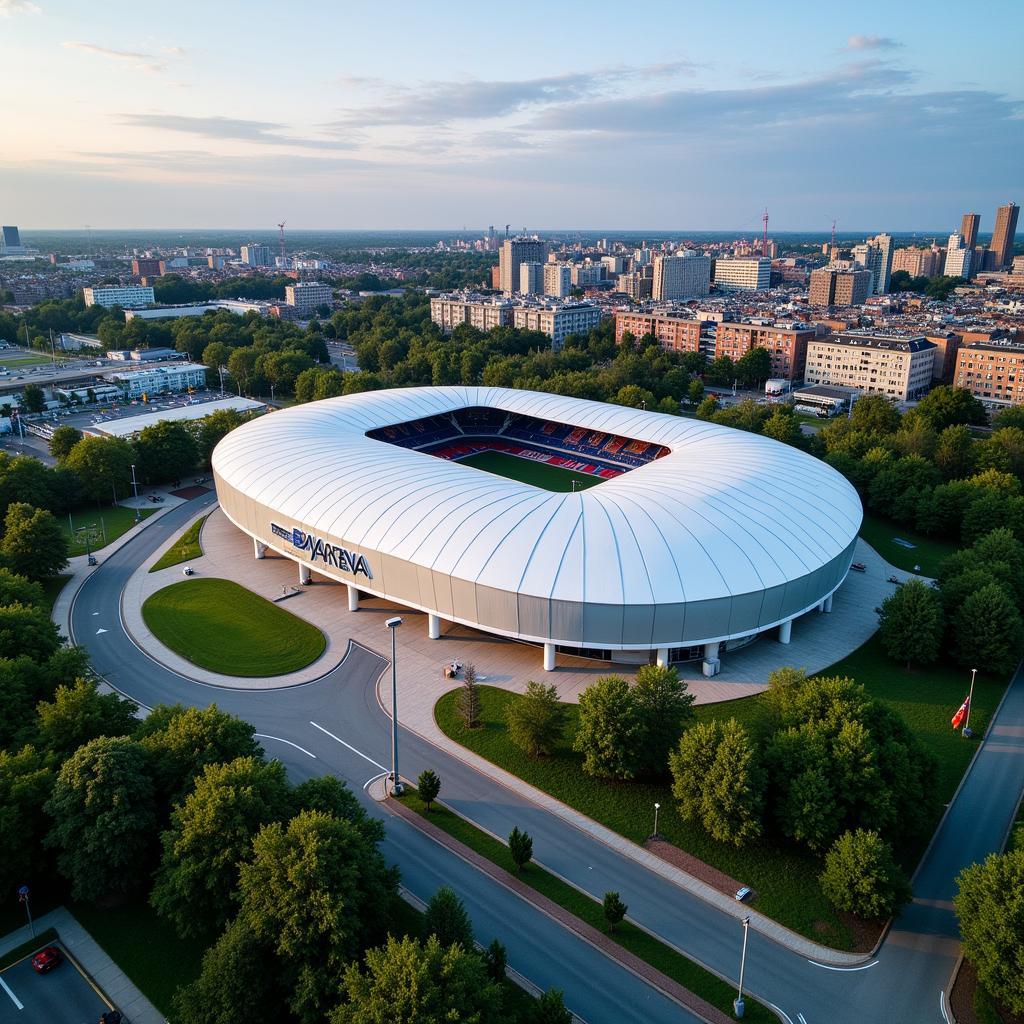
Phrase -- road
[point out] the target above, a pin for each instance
(335, 725)
(63, 996)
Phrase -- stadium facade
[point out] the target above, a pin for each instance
(695, 538)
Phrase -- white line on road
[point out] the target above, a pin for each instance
(349, 745)
(827, 967)
(942, 1006)
(264, 736)
(782, 1013)
(14, 998)
(800, 1017)
(370, 782)
(100, 630)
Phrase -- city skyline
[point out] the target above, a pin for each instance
(236, 118)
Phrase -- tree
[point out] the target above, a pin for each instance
(988, 632)
(707, 408)
(536, 720)
(954, 452)
(862, 877)
(15, 589)
(496, 961)
(26, 781)
(991, 915)
(331, 795)
(911, 624)
(469, 699)
(520, 848)
(551, 1009)
(166, 451)
(1003, 450)
(609, 734)
(446, 918)
(104, 818)
(663, 705)
(29, 631)
(1010, 416)
(210, 834)
(409, 982)
(104, 465)
(429, 785)
(945, 405)
(32, 398)
(64, 438)
(635, 397)
(695, 391)
(874, 414)
(79, 713)
(210, 430)
(754, 367)
(33, 545)
(614, 910)
(784, 427)
(319, 892)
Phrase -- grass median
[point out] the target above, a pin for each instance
(185, 548)
(679, 968)
(101, 525)
(219, 625)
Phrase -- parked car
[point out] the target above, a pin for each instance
(859, 567)
(46, 959)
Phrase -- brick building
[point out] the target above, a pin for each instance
(992, 371)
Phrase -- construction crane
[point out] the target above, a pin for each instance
(764, 239)
(280, 237)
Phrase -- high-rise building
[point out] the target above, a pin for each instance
(753, 274)
(992, 371)
(686, 276)
(916, 262)
(256, 255)
(958, 258)
(307, 296)
(586, 273)
(876, 255)
(531, 278)
(513, 252)
(10, 240)
(636, 284)
(557, 280)
(969, 224)
(833, 287)
(1002, 235)
(146, 266)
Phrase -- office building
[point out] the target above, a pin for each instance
(147, 266)
(513, 253)
(1002, 234)
(673, 333)
(637, 285)
(128, 296)
(10, 241)
(255, 255)
(557, 280)
(969, 224)
(833, 287)
(557, 321)
(958, 258)
(308, 296)
(898, 367)
(917, 262)
(531, 278)
(786, 344)
(993, 371)
(686, 276)
(746, 275)
(614, 265)
(584, 274)
(157, 380)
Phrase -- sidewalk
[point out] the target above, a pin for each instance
(104, 972)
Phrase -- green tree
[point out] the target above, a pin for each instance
(166, 451)
(635, 397)
(695, 391)
(447, 920)
(784, 427)
(496, 961)
(26, 781)
(242, 367)
(210, 430)
(210, 834)
(27, 630)
(991, 915)
(536, 721)
(64, 438)
(409, 982)
(32, 398)
(663, 706)
(428, 785)
(329, 795)
(707, 408)
(954, 452)
(754, 367)
(33, 545)
(862, 877)
(988, 632)
(79, 713)
(945, 405)
(911, 624)
(874, 414)
(614, 910)
(1010, 416)
(551, 1009)
(609, 733)
(520, 848)
(469, 699)
(15, 589)
(1003, 450)
(104, 465)
(104, 818)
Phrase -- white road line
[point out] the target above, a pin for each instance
(370, 782)
(800, 1017)
(827, 967)
(349, 746)
(14, 998)
(264, 736)
(942, 1006)
(782, 1013)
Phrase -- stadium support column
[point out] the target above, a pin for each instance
(827, 604)
(662, 656)
(353, 598)
(549, 657)
(259, 549)
(786, 631)
(711, 666)
(303, 574)
(433, 626)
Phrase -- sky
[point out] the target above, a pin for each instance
(584, 113)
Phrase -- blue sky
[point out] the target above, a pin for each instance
(661, 115)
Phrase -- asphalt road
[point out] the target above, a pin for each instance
(335, 725)
(61, 997)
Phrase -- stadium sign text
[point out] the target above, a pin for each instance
(322, 551)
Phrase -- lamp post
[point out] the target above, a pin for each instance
(657, 807)
(737, 1004)
(396, 783)
(135, 494)
(23, 898)
(970, 700)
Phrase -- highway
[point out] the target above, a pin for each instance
(334, 725)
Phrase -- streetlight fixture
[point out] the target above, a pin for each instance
(737, 1003)
(135, 495)
(396, 783)
(657, 807)
(970, 700)
(23, 894)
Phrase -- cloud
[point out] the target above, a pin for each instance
(231, 128)
(857, 43)
(140, 61)
(8, 8)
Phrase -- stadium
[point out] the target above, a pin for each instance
(585, 528)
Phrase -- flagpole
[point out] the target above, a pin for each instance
(970, 700)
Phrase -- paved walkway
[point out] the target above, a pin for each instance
(113, 982)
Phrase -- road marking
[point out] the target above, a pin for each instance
(942, 1006)
(782, 1013)
(827, 967)
(800, 1017)
(100, 630)
(95, 613)
(349, 746)
(369, 782)
(264, 736)
(14, 998)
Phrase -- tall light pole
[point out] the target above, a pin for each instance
(23, 898)
(970, 700)
(135, 494)
(396, 783)
(657, 807)
(737, 1004)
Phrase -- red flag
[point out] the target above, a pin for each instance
(960, 714)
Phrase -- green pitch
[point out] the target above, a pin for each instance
(539, 474)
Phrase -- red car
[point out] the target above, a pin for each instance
(46, 959)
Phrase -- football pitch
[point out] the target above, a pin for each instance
(539, 474)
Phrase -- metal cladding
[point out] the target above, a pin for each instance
(727, 535)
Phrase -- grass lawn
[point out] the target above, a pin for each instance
(223, 627)
(22, 359)
(539, 474)
(678, 967)
(108, 524)
(186, 547)
(52, 588)
(927, 552)
(784, 877)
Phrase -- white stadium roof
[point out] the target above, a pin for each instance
(725, 513)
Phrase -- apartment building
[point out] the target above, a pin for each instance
(531, 278)
(557, 322)
(157, 380)
(146, 266)
(686, 276)
(557, 280)
(513, 253)
(958, 258)
(744, 275)
(786, 344)
(1003, 234)
(899, 368)
(449, 311)
(308, 296)
(993, 371)
(831, 286)
(127, 296)
(917, 262)
(674, 333)
(637, 285)
(255, 255)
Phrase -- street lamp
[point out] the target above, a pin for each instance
(737, 1003)
(396, 783)
(970, 700)
(23, 898)
(135, 495)
(657, 807)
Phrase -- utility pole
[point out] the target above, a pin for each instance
(737, 1005)
(396, 781)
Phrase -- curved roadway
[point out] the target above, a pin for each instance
(335, 725)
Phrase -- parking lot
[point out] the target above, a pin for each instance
(64, 996)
